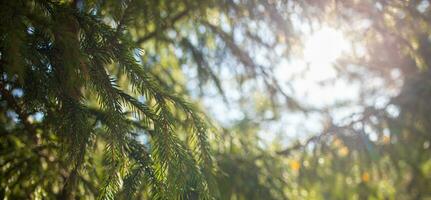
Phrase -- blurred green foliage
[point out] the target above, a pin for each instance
(103, 99)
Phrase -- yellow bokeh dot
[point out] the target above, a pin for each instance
(365, 177)
(337, 142)
(343, 151)
(386, 139)
(295, 165)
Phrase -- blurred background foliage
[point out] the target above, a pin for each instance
(120, 99)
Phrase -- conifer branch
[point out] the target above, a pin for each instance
(168, 24)
(23, 116)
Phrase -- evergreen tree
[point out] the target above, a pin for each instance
(65, 112)
(100, 99)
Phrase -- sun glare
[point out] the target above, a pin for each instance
(324, 46)
(321, 50)
(312, 77)
(316, 65)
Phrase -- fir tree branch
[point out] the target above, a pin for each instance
(23, 116)
(165, 26)
(269, 80)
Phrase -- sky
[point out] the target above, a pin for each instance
(314, 68)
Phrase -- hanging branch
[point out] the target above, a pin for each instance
(166, 25)
(23, 116)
